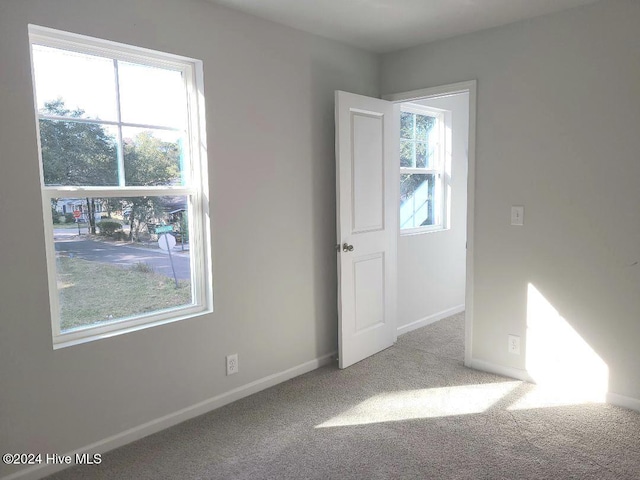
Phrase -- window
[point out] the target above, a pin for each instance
(422, 173)
(124, 185)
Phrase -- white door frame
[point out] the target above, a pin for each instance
(439, 91)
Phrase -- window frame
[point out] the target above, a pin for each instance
(195, 186)
(438, 170)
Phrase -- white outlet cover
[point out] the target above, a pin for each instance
(514, 344)
(232, 364)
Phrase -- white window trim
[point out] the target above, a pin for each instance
(197, 189)
(439, 172)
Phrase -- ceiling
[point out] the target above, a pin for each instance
(388, 25)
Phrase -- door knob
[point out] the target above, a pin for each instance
(346, 247)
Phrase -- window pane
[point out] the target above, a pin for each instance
(152, 96)
(417, 200)
(424, 126)
(406, 125)
(78, 153)
(406, 154)
(153, 157)
(425, 156)
(421, 154)
(74, 84)
(115, 269)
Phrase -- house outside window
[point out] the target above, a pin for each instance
(121, 146)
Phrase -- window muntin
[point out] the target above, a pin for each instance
(139, 175)
(421, 169)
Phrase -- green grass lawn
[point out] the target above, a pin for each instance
(69, 226)
(92, 293)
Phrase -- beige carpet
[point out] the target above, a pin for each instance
(411, 412)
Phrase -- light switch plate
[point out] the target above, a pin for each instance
(517, 215)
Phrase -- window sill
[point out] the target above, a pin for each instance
(100, 332)
(420, 231)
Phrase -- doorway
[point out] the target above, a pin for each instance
(435, 247)
(369, 204)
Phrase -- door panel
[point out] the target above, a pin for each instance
(368, 279)
(367, 179)
(367, 172)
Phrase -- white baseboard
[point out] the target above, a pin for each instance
(39, 471)
(622, 401)
(511, 372)
(423, 322)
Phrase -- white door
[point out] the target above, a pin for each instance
(367, 175)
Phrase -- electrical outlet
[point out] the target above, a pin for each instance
(514, 344)
(232, 364)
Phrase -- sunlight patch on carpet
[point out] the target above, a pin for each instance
(426, 403)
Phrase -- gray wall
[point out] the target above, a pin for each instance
(558, 132)
(558, 116)
(269, 93)
(432, 266)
